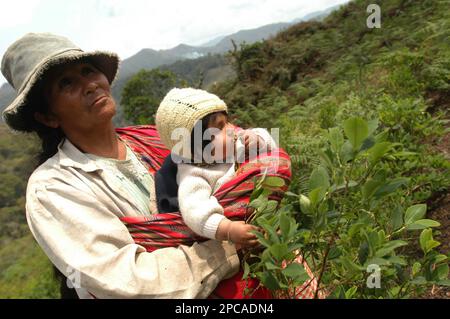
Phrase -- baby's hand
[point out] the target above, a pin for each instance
(253, 141)
(239, 233)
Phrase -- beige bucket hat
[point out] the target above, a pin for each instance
(26, 61)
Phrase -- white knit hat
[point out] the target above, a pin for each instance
(182, 108)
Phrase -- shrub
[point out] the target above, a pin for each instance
(353, 225)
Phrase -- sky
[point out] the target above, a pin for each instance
(127, 26)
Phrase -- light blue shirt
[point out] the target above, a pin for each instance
(131, 175)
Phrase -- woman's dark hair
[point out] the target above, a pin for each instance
(50, 137)
(197, 152)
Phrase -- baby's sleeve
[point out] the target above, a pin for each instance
(200, 210)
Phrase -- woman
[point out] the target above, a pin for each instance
(75, 198)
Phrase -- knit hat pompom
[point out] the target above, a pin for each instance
(179, 111)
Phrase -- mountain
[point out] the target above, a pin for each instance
(213, 42)
(247, 36)
(318, 15)
(150, 59)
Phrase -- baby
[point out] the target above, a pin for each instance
(205, 146)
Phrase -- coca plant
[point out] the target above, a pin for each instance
(352, 223)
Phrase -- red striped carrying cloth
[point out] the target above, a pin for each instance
(168, 229)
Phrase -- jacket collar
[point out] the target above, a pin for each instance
(71, 156)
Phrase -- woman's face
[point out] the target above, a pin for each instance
(79, 98)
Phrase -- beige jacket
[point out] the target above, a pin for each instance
(74, 213)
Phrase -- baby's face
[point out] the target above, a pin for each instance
(224, 140)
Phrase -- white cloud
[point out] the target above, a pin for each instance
(26, 9)
(126, 26)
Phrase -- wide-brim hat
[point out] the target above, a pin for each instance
(27, 60)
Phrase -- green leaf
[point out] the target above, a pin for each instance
(425, 236)
(271, 266)
(295, 270)
(377, 261)
(416, 268)
(278, 251)
(419, 281)
(356, 130)
(404, 154)
(397, 260)
(363, 252)
(415, 213)
(319, 178)
(325, 158)
(291, 194)
(293, 229)
(441, 272)
(397, 218)
(271, 206)
(256, 192)
(334, 253)
(350, 265)
(389, 247)
(383, 136)
(262, 240)
(427, 244)
(351, 184)
(381, 237)
(259, 203)
(285, 225)
(336, 138)
(378, 151)
(445, 282)
(372, 240)
(274, 182)
(440, 258)
(422, 224)
(338, 293)
(268, 280)
(432, 244)
(266, 256)
(367, 143)
(351, 292)
(317, 195)
(346, 153)
(372, 125)
(273, 235)
(305, 203)
(246, 270)
(369, 188)
(390, 187)
(355, 228)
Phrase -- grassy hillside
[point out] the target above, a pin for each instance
(315, 76)
(25, 271)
